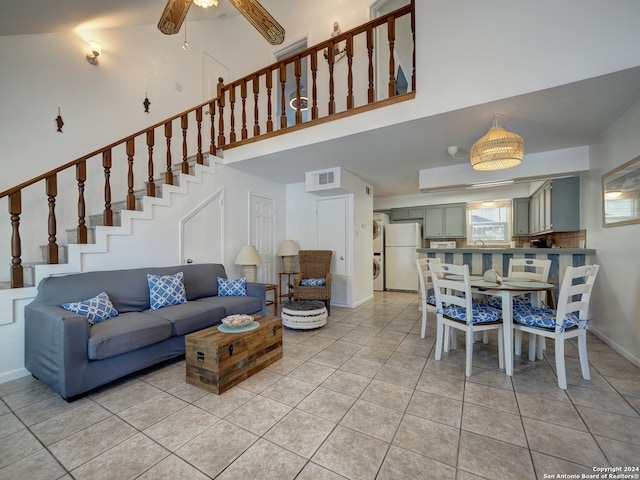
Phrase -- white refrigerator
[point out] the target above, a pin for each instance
(401, 242)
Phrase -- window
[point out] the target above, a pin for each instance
(489, 222)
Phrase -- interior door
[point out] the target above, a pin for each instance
(331, 231)
(262, 235)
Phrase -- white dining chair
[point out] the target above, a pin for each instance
(531, 268)
(456, 309)
(427, 302)
(569, 320)
(537, 270)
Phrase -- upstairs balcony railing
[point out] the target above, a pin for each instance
(367, 67)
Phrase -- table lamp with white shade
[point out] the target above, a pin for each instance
(288, 251)
(249, 259)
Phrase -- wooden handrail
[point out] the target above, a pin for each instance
(232, 106)
(100, 151)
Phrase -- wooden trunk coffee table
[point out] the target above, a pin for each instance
(216, 361)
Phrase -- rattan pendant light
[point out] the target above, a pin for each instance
(498, 149)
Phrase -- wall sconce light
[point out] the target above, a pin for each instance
(248, 258)
(96, 48)
(288, 251)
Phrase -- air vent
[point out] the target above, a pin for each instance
(324, 182)
(332, 181)
(324, 178)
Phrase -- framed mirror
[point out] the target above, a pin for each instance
(621, 195)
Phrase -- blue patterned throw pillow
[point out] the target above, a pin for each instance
(96, 309)
(313, 282)
(232, 288)
(165, 290)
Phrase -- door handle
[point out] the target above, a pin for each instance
(341, 258)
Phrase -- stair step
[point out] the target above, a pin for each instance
(62, 253)
(72, 235)
(98, 219)
(28, 276)
(116, 207)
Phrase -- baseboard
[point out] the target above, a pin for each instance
(13, 375)
(628, 355)
(364, 300)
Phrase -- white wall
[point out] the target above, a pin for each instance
(301, 226)
(615, 304)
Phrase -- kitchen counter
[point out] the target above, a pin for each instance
(514, 251)
(482, 259)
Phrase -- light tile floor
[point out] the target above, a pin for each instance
(361, 398)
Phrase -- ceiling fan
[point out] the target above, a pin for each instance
(176, 10)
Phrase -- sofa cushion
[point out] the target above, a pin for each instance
(190, 317)
(232, 288)
(124, 333)
(96, 309)
(234, 305)
(165, 290)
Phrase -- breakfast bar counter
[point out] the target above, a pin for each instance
(482, 259)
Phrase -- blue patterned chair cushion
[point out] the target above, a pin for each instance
(481, 313)
(431, 300)
(543, 318)
(165, 290)
(518, 302)
(232, 288)
(96, 309)
(313, 282)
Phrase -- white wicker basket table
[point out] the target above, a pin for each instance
(304, 315)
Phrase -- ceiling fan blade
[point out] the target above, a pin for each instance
(173, 15)
(262, 20)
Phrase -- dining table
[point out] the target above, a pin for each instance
(508, 288)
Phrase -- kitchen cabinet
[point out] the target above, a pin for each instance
(555, 206)
(407, 213)
(520, 216)
(445, 221)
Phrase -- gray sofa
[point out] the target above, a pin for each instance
(63, 351)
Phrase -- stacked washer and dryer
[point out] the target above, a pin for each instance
(380, 221)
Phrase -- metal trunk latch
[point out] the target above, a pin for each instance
(200, 357)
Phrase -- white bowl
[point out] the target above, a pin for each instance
(236, 321)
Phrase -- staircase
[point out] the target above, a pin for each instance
(98, 233)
